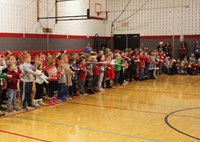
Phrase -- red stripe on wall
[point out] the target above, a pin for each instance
(11, 35)
(192, 36)
(56, 36)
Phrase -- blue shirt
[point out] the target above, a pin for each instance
(87, 49)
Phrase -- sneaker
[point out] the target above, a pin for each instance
(32, 106)
(25, 108)
(3, 108)
(64, 99)
(54, 100)
(60, 100)
(101, 89)
(69, 98)
(51, 102)
(40, 102)
(2, 114)
(8, 112)
(17, 109)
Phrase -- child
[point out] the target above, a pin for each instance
(3, 66)
(12, 86)
(109, 71)
(190, 68)
(182, 68)
(192, 58)
(133, 67)
(76, 70)
(69, 74)
(39, 86)
(95, 74)
(117, 68)
(89, 76)
(61, 82)
(28, 77)
(152, 65)
(52, 77)
(147, 62)
(82, 75)
(141, 65)
(101, 60)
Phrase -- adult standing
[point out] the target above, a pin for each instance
(168, 49)
(160, 47)
(183, 49)
(88, 48)
(197, 49)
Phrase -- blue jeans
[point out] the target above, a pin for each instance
(141, 73)
(62, 91)
(117, 76)
(12, 93)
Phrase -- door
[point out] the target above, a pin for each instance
(133, 41)
(120, 42)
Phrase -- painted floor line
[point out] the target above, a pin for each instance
(20, 135)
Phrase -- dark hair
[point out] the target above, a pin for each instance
(72, 59)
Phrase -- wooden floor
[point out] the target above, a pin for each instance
(165, 110)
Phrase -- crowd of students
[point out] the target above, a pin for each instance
(75, 74)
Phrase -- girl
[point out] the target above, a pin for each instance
(95, 74)
(69, 74)
(101, 60)
(61, 82)
(152, 65)
(39, 85)
(109, 71)
(52, 77)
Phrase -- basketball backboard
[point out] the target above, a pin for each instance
(97, 9)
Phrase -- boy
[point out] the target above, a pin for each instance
(12, 86)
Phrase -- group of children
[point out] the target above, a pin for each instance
(75, 74)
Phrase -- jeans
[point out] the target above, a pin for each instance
(26, 94)
(61, 90)
(82, 85)
(146, 70)
(141, 73)
(12, 93)
(117, 75)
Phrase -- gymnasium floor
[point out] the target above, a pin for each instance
(165, 110)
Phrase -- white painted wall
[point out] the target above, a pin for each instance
(157, 17)
(19, 16)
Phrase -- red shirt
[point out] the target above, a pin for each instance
(142, 62)
(162, 57)
(82, 73)
(12, 82)
(183, 50)
(96, 70)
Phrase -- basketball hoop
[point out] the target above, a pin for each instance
(97, 9)
(98, 13)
